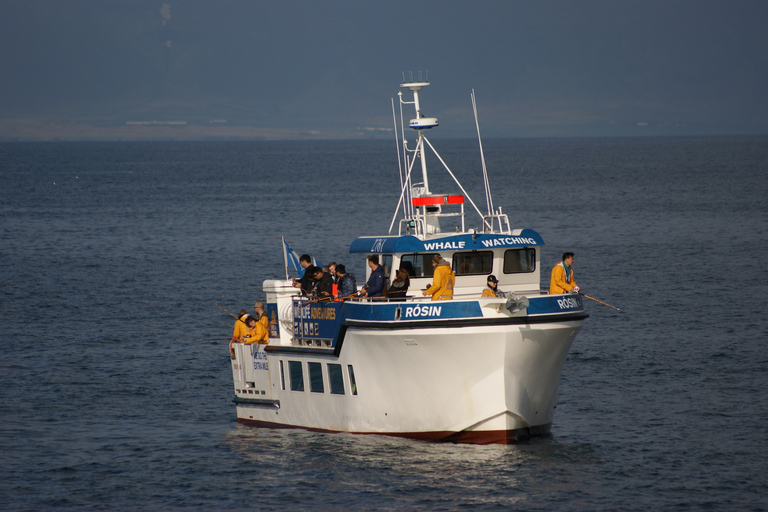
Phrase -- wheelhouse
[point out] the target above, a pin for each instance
(514, 258)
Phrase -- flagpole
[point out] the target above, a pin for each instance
(285, 259)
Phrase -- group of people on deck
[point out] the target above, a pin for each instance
(333, 282)
(443, 280)
(329, 282)
(252, 328)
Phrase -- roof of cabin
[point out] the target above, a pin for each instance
(450, 242)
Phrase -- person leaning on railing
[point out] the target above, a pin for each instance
(375, 287)
(562, 280)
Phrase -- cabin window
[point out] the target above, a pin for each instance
(316, 378)
(520, 261)
(296, 374)
(418, 265)
(386, 261)
(336, 379)
(282, 375)
(352, 383)
(473, 263)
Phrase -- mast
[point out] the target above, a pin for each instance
(424, 210)
(420, 124)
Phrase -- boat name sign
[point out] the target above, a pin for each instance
(568, 303)
(422, 311)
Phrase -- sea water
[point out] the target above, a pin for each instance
(115, 381)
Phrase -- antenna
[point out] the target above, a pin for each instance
(488, 198)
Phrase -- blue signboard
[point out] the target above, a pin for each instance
(476, 242)
(270, 309)
(319, 320)
(555, 304)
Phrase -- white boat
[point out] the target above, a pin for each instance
(470, 369)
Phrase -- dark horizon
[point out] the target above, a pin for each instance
(293, 70)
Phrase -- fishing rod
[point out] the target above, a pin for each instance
(601, 302)
(231, 313)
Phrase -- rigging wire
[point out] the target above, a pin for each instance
(488, 198)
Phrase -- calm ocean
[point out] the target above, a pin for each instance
(115, 382)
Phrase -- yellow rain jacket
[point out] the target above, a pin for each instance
(442, 283)
(256, 335)
(557, 283)
(240, 329)
(265, 322)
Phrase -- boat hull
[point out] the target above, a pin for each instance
(493, 383)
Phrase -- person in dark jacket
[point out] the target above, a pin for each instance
(399, 286)
(375, 287)
(347, 283)
(305, 282)
(323, 285)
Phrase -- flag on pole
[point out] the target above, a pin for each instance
(291, 259)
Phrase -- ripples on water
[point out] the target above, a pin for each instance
(116, 385)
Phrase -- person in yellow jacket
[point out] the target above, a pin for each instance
(241, 329)
(256, 332)
(261, 316)
(493, 288)
(562, 280)
(443, 280)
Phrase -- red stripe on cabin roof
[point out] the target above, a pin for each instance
(429, 200)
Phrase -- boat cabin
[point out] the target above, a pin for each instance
(514, 259)
(435, 225)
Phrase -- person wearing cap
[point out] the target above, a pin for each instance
(443, 280)
(561, 280)
(493, 288)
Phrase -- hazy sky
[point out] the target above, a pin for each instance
(93, 69)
